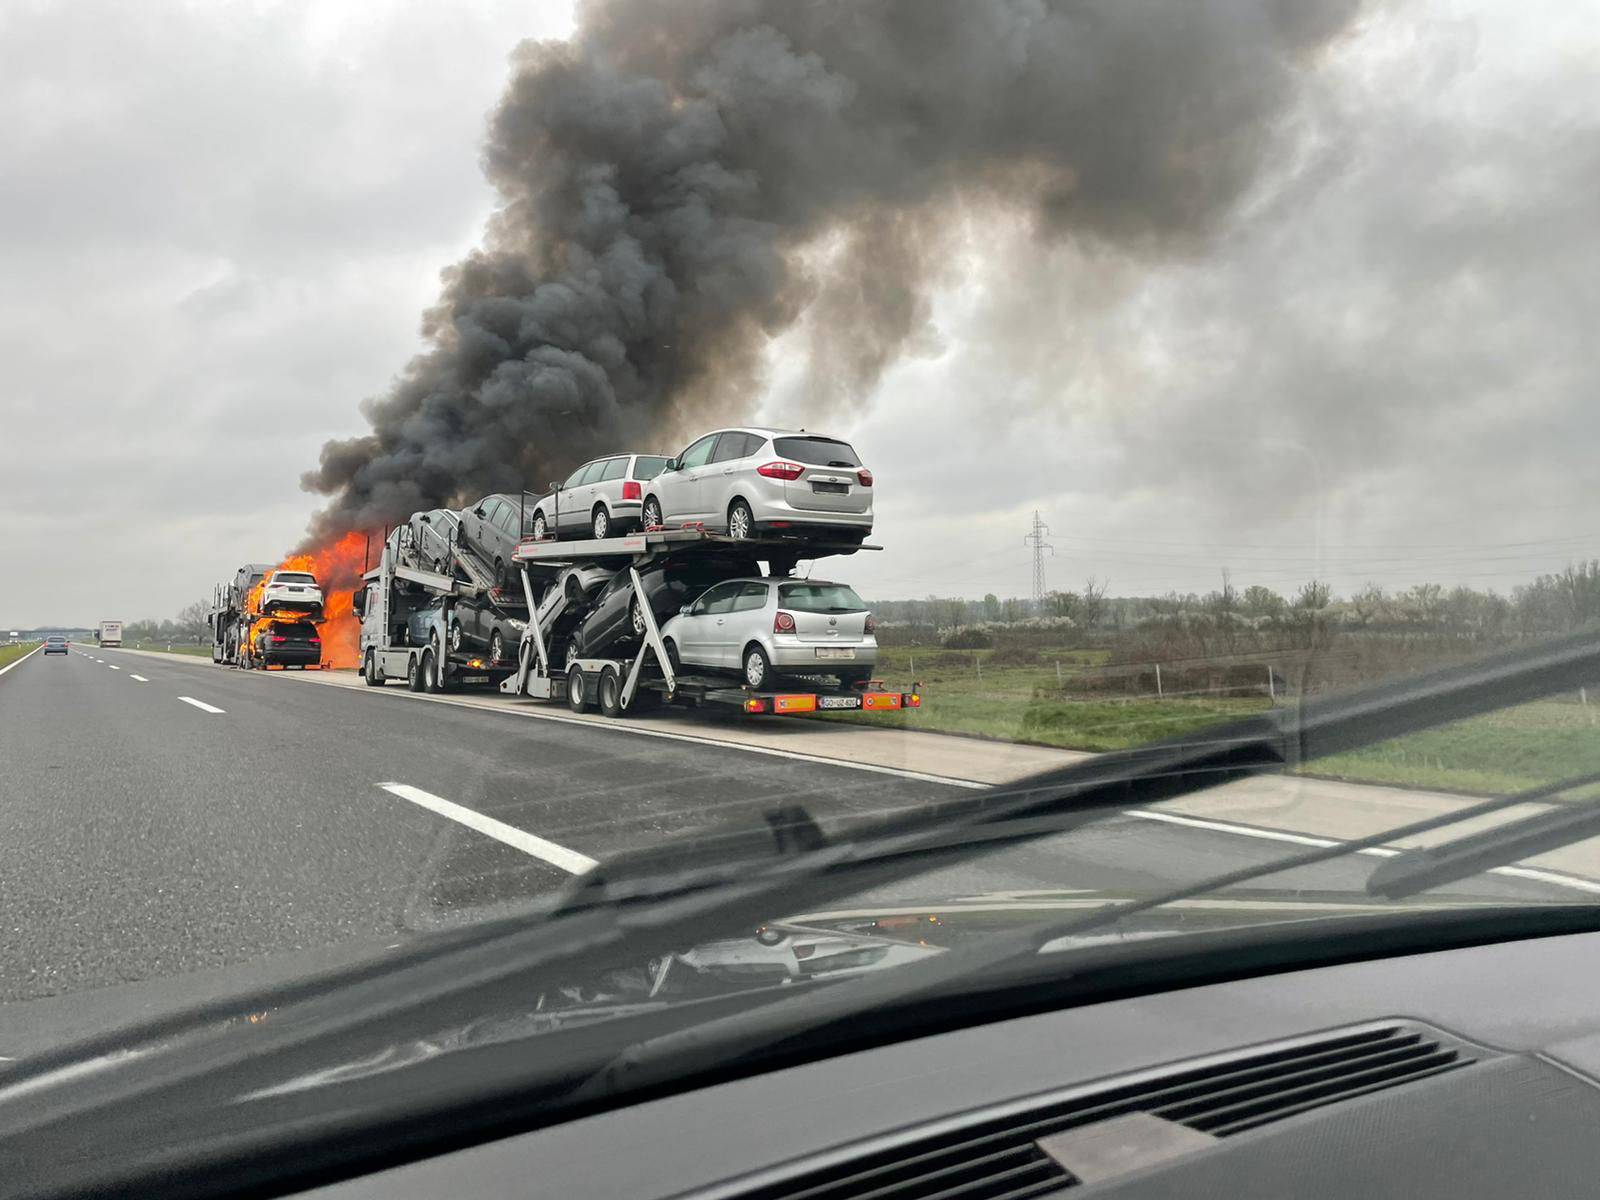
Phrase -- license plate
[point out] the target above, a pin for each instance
(835, 652)
(838, 701)
(472, 679)
(836, 489)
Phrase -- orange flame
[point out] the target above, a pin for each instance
(338, 566)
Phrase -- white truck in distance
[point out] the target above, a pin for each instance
(110, 633)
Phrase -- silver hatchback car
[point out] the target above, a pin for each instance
(749, 482)
(600, 499)
(761, 628)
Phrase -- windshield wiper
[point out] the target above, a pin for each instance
(1418, 870)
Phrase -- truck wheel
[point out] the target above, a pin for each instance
(369, 670)
(609, 693)
(413, 674)
(430, 671)
(577, 690)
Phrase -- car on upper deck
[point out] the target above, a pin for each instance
(601, 499)
(749, 481)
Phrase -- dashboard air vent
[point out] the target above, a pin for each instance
(995, 1155)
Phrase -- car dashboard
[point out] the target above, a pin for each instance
(1465, 1072)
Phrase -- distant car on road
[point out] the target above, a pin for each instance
(760, 628)
(601, 499)
(55, 644)
(490, 527)
(291, 591)
(615, 623)
(751, 482)
(287, 644)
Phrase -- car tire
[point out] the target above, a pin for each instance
(577, 690)
(650, 515)
(756, 667)
(636, 618)
(497, 647)
(673, 659)
(369, 670)
(541, 527)
(413, 674)
(608, 692)
(456, 636)
(600, 523)
(741, 521)
(499, 575)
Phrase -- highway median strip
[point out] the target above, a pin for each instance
(557, 856)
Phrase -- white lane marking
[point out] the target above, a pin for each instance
(556, 856)
(1536, 874)
(200, 704)
(140, 678)
(23, 659)
(114, 666)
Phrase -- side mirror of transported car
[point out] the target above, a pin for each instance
(672, 464)
(684, 611)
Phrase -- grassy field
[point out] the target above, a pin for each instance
(1510, 750)
(176, 648)
(1506, 751)
(10, 654)
(963, 693)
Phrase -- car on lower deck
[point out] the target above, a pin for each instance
(288, 644)
(55, 644)
(601, 499)
(615, 624)
(475, 625)
(762, 628)
(752, 482)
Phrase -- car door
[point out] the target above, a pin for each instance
(721, 477)
(575, 498)
(745, 619)
(608, 485)
(509, 525)
(702, 631)
(680, 490)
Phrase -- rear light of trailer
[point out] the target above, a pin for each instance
(631, 490)
(782, 622)
(781, 470)
(864, 477)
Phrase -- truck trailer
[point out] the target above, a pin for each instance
(109, 633)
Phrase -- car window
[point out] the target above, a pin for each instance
(613, 468)
(576, 477)
(751, 596)
(648, 466)
(591, 473)
(698, 454)
(490, 508)
(506, 519)
(819, 598)
(817, 451)
(733, 445)
(293, 577)
(718, 600)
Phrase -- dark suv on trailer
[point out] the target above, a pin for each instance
(288, 644)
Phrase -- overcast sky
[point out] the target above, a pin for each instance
(219, 226)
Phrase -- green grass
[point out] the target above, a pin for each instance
(10, 654)
(1017, 704)
(177, 648)
(1509, 750)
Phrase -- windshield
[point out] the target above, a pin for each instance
(1153, 381)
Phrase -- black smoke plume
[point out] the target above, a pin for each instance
(683, 181)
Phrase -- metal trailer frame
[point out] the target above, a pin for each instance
(535, 677)
(421, 667)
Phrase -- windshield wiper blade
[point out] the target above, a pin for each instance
(1430, 866)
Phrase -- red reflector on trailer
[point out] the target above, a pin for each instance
(790, 704)
(756, 706)
(913, 700)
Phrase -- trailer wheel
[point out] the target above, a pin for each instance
(577, 689)
(609, 693)
(413, 674)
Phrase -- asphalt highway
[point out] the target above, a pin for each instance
(162, 815)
